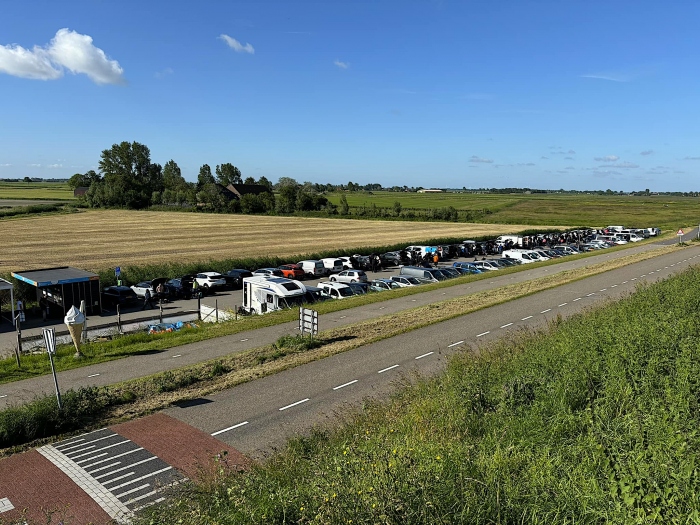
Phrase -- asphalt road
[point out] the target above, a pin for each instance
(143, 365)
(259, 416)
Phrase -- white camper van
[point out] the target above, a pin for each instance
(263, 294)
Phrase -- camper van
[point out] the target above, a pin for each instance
(263, 294)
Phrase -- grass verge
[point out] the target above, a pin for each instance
(593, 420)
(144, 395)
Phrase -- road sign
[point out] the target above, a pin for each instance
(50, 340)
(308, 321)
(680, 232)
(118, 271)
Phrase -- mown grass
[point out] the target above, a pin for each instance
(593, 420)
(35, 190)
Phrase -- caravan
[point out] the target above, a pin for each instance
(263, 294)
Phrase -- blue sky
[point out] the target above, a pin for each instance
(573, 95)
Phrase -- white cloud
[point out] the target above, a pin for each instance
(164, 72)
(5, 165)
(625, 165)
(69, 50)
(647, 152)
(34, 165)
(613, 77)
(607, 158)
(474, 158)
(236, 45)
(341, 65)
(54, 166)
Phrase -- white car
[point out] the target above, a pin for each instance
(210, 280)
(350, 276)
(140, 289)
(335, 290)
(406, 280)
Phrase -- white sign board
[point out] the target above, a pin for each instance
(50, 340)
(308, 321)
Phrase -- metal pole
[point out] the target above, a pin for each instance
(235, 309)
(199, 307)
(119, 321)
(18, 348)
(216, 306)
(160, 304)
(55, 382)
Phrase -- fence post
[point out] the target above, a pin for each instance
(119, 321)
(199, 307)
(235, 309)
(160, 304)
(18, 348)
(216, 306)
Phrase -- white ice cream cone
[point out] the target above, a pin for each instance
(76, 331)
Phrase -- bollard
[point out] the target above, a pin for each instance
(160, 304)
(199, 307)
(235, 309)
(216, 306)
(119, 321)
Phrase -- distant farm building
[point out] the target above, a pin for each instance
(430, 191)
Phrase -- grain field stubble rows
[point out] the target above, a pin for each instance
(95, 240)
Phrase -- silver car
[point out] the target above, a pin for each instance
(350, 276)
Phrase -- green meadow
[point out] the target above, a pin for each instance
(35, 190)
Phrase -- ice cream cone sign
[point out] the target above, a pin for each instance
(75, 320)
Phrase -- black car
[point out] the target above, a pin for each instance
(390, 259)
(118, 295)
(234, 278)
(177, 289)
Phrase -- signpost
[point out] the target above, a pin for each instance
(308, 321)
(50, 341)
(680, 235)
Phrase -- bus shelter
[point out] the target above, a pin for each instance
(64, 287)
(6, 286)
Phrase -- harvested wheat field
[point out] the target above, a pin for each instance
(95, 240)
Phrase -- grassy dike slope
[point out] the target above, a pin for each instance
(593, 420)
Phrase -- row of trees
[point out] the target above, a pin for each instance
(129, 179)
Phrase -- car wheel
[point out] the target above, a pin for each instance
(353, 281)
(205, 286)
(333, 279)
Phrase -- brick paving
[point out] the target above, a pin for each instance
(184, 447)
(36, 488)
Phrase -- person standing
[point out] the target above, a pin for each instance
(44, 306)
(147, 300)
(20, 311)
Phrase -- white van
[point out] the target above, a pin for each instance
(332, 264)
(524, 256)
(313, 268)
(335, 290)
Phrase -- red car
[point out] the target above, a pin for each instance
(292, 271)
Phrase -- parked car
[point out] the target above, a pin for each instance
(210, 280)
(269, 272)
(119, 295)
(140, 289)
(234, 278)
(313, 268)
(347, 263)
(359, 288)
(292, 271)
(451, 272)
(336, 290)
(486, 265)
(427, 274)
(382, 285)
(406, 280)
(332, 264)
(350, 276)
(176, 288)
(467, 266)
(390, 259)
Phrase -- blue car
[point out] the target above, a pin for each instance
(469, 267)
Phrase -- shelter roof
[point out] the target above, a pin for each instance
(5, 285)
(53, 276)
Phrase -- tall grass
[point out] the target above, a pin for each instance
(594, 420)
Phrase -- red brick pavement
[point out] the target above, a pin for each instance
(37, 488)
(184, 447)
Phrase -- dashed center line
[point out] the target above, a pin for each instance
(177, 355)
(562, 304)
(345, 384)
(633, 279)
(602, 290)
(592, 293)
(483, 333)
(577, 299)
(4, 395)
(613, 286)
(229, 428)
(343, 316)
(294, 404)
(387, 369)
(93, 375)
(382, 307)
(526, 318)
(454, 344)
(244, 340)
(506, 325)
(545, 311)
(425, 355)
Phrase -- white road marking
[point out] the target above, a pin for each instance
(93, 375)
(454, 344)
(665, 267)
(244, 340)
(643, 275)
(545, 311)
(602, 290)
(229, 428)
(506, 325)
(592, 293)
(294, 404)
(613, 286)
(413, 300)
(424, 355)
(562, 304)
(633, 279)
(483, 333)
(577, 299)
(177, 355)
(343, 316)
(625, 282)
(382, 307)
(345, 384)
(4, 395)
(526, 318)
(386, 369)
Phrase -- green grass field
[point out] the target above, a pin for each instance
(35, 191)
(665, 212)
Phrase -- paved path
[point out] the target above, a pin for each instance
(143, 365)
(108, 474)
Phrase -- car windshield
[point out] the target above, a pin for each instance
(412, 280)
(291, 302)
(345, 292)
